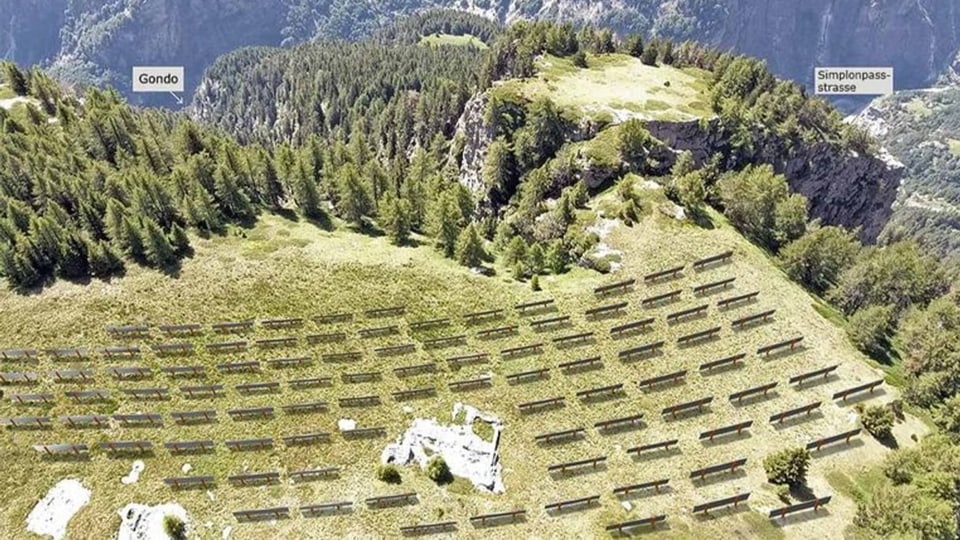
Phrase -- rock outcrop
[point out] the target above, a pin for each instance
(842, 187)
(477, 136)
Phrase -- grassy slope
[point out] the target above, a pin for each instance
(289, 269)
(452, 39)
(620, 86)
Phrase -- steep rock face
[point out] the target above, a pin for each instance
(477, 136)
(842, 188)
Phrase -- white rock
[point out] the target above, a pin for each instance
(345, 424)
(467, 455)
(135, 471)
(142, 522)
(186, 468)
(51, 514)
(626, 505)
(226, 533)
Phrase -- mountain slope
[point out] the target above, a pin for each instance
(99, 42)
(922, 129)
(286, 269)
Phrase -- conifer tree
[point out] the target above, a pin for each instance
(73, 261)
(649, 54)
(633, 45)
(268, 181)
(535, 258)
(233, 201)
(305, 192)
(103, 261)
(446, 225)
(354, 198)
(469, 250)
(556, 257)
(131, 239)
(516, 251)
(157, 248)
(15, 78)
(179, 240)
(395, 217)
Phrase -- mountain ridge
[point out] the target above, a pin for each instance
(98, 43)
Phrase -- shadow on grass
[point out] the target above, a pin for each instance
(701, 219)
(718, 513)
(719, 478)
(836, 448)
(645, 493)
(800, 517)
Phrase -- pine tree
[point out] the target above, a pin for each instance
(74, 258)
(515, 252)
(233, 201)
(557, 257)
(395, 218)
(179, 240)
(519, 271)
(131, 239)
(15, 78)
(446, 225)
(633, 45)
(649, 54)
(157, 248)
(268, 181)
(535, 258)
(604, 42)
(666, 52)
(354, 198)
(306, 194)
(377, 179)
(499, 168)
(469, 250)
(103, 260)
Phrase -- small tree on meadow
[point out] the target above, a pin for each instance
(439, 471)
(787, 466)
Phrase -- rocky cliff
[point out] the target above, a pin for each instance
(842, 187)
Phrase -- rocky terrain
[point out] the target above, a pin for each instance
(861, 200)
(98, 41)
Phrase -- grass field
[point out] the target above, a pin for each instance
(464, 40)
(288, 269)
(619, 85)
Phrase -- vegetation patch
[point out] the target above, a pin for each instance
(464, 40)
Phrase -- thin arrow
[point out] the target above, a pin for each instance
(178, 98)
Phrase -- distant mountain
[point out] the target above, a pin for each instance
(98, 40)
(922, 129)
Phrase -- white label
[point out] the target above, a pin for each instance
(853, 81)
(158, 78)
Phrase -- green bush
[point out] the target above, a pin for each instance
(174, 527)
(787, 466)
(870, 327)
(783, 493)
(389, 474)
(439, 471)
(877, 420)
